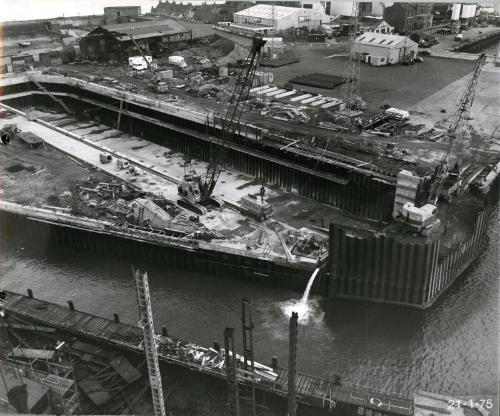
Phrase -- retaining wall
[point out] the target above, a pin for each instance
(347, 187)
(386, 269)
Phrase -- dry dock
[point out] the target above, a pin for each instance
(351, 186)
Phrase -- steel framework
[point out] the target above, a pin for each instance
(146, 324)
(456, 132)
(350, 85)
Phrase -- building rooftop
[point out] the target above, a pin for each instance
(366, 21)
(383, 40)
(146, 29)
(265, 11)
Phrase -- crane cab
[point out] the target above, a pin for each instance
(190, 188)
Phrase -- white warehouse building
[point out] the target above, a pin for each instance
(261, 15)
(385, 49)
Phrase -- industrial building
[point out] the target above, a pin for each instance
(113, 42)
(408, 17)
(366, 24)
(121, 14)
(23, 60)
(388, 49)
(265, 17)
(344, 8)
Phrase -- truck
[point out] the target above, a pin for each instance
(138, 63)
(105, 158)
(122, 164)
(256, 206)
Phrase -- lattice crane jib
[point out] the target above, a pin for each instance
(231, 375)
(150, 68)
(146, 324)
(456, 132)
(248, 354)
(229, 115)
(350, 85)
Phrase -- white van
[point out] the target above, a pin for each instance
(138, 63)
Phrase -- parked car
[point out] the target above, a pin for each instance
(425, 52)
(459, 37)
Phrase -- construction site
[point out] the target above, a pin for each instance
(338, 180)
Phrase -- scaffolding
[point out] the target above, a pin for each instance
(146, 324)
(58, 377)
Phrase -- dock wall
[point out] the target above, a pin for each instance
(45, 228)
(344, 184)
(479, 44)
(453, 265)
(386, 269)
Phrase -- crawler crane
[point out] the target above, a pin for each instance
(196, 190)
(443, 175)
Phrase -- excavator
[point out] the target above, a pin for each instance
(445, 181)
(196, 190)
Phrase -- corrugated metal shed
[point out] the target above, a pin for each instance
(383, 40)
(146, 29)
(265, 11)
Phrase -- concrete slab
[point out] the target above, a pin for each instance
(331, 103)
(318, 103)
(300, 97)
(274, 93)
(310, 100)
(286, 94)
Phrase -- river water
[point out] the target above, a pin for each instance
(450, 348)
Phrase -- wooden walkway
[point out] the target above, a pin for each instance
(310, 390)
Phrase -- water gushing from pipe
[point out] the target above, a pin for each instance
(302, 306)
(305, 296)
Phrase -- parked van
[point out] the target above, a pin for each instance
(105, 158)
(122, 164)
(139, 63)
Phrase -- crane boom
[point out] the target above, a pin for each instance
(232, 115)
(351, 76)
(155, 76)
(456, 131)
